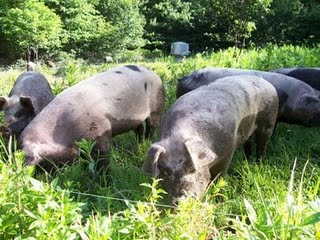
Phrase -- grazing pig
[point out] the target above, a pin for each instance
(102, 106)
(204, 127)
(299, 103)
(310, 76)
(29, 95)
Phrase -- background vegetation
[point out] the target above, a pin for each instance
(95, 28)
(277, 198)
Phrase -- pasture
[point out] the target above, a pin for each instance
(276, 198)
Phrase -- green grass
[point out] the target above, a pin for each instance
(276, 198)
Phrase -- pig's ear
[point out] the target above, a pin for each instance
(200, 154)
(317, 92)
(307, 99)
(3, 102)
(26, 102)
(151, 164)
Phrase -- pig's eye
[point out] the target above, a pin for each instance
(165, 171)
(18, 114)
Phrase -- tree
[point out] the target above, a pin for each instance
(308, 24)
(29, 26)
(203, 23)
(84, 27)
(279, 24)
(233, 22)
(127, 22)
(167, 21)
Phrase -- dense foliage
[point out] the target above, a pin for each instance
(276, 198)
(96, 28)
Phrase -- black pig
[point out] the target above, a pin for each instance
(29, 95)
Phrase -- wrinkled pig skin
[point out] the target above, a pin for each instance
(204, 127)
(102, 106)
(310, 76)
(299, 103)
(29, 95)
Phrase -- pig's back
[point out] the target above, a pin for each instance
(116, 95)
(221, 104)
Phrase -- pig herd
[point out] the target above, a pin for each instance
(217, 111)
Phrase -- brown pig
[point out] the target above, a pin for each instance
(102, 106)
(29, 95)
(204, 127)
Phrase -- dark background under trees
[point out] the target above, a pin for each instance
(92, 29)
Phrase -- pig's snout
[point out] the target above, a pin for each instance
(185, 194)
(5, 131)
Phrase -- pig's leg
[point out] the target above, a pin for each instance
(248, 146)
(156, 107)
(102, 149)
(151, 123)
(274, 129)
(262, 137)
(139, 132)
(265, 127)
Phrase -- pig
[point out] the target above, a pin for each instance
(204, 127)
(299, 103)
(309, 75)
(29, 95)
(102, 106)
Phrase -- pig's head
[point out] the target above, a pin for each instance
(184, 167)
(307, 110)
(18, 112)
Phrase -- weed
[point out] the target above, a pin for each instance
(252, 201)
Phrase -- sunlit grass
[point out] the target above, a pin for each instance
(275, 198)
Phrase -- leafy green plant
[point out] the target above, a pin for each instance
(31, 25)
(252, 200)
(278, 219)
(31, 208)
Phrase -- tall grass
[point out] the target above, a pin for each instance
(276, 198)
